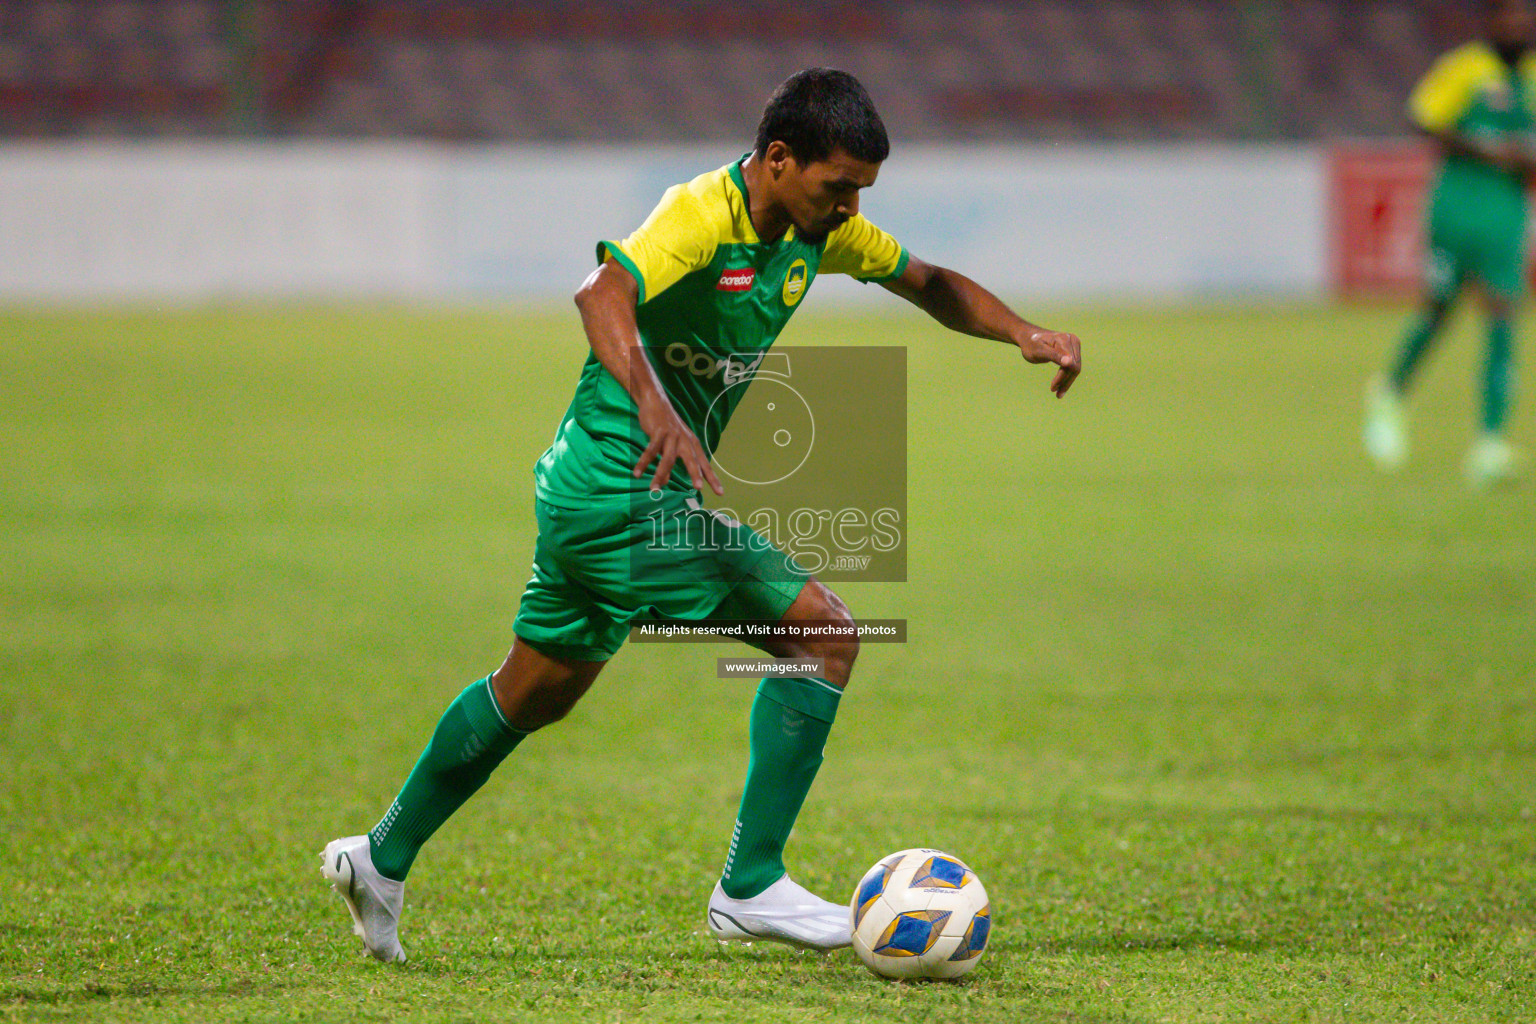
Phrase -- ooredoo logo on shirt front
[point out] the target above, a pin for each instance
(737, 279)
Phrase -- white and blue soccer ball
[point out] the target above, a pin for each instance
(920, 914)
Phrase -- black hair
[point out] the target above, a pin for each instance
(819, 110)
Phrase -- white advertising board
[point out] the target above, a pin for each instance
(192, 221)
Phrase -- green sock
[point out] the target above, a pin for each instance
(1415, 343)
(790, 722)
(471, 739)
(1498, 375)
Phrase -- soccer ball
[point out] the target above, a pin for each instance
(920, 914)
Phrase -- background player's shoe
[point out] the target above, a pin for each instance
(1492, 460)
(1385, 431)
(373, 900)
(783, 912)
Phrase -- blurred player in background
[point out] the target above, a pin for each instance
(714, 273)
(1476, 103)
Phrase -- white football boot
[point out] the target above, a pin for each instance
(1385, 430)
(783, 912)
(373, 900)
(1492, 460)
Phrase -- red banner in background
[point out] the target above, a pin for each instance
(1377, 208)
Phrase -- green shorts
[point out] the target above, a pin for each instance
(600, 570)
(1467, 243)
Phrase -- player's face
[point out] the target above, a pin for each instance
(821, 195)
(1511, 24)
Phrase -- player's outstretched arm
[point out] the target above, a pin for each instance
(607, 300)
(961, 304)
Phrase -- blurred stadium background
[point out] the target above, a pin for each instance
(1170, 86)
(628, 71)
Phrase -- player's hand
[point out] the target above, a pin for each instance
(671, 441)
(1058, 347)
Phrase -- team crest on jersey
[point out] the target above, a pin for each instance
(737, 279)
(794, 282)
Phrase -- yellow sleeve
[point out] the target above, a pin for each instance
(863, 251)
(1444, 95)
(678, 238)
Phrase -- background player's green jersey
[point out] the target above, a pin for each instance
(713, 298)
(1477, 211)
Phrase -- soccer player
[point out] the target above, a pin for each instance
(713, 274)
(1476, 103)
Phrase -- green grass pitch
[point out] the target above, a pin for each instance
(1233, 728)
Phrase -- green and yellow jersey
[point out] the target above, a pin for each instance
(713, 298)
(1472, 90)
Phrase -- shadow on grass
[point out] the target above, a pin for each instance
(796, 983)
(1329, 756)
(131, 990)
(1141, 942)
(600, 962)
(1114, 812)
(8, 930)
(757, 976)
